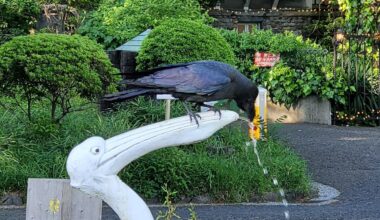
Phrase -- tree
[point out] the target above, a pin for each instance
(56, 68)
(114, 23)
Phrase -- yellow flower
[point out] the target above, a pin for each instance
(54, 205)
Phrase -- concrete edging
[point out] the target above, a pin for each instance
(311, 109)
(326, 195)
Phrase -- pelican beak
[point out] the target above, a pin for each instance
(126, 147)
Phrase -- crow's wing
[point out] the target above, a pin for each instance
(140, 74)
(193, 78)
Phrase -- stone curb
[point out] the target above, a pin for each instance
(326, 195)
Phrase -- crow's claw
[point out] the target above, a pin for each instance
(192, 115)
(216, 110)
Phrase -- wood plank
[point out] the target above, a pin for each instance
(114, 56)
(275, 4)
(55, 199)
(127, 62)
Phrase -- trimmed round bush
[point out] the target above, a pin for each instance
(56, 68)
(182, 40)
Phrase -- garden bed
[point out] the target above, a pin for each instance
(222, 167)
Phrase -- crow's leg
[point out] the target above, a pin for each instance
(191, 114)
(216, 110)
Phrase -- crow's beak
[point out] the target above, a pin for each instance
(249, 108)
(251, 111)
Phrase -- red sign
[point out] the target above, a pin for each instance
(266, 59)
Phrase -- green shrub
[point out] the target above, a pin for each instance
(182, 40)
(305, 68)
(54, 67)
(114, 23)
(287, 44)
(17, 17)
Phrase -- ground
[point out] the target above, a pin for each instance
(346, 158)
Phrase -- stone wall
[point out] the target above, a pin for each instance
(311, 109)
(58, 18)
(277, 20)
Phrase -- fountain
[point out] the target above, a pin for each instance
(93, 164)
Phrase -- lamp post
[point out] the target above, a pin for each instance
(377, 41)
(337, 39)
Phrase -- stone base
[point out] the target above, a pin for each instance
(311, 109)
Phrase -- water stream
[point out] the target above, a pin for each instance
(274, 180)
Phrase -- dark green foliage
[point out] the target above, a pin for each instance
(182, 40)
(206, 4)
(53, 67)
(305, 68)
(17, 17)
(116, 22)
(357, 58)
(360, 15)
(222, 166)
(363, 99)
(322, 31)
(288, 45)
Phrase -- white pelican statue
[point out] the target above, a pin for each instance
(93, 164)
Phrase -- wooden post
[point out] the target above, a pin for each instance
(167, 109)
(167, 98)
(55, 199)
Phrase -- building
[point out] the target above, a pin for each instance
(278, 15)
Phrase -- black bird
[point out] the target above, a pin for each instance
(198, 82)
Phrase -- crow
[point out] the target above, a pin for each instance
(195, 82)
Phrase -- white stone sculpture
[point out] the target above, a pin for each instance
(93, 164)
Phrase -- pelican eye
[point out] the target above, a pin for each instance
(95, 150)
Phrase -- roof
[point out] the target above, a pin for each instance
(134, 45)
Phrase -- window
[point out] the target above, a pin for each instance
(247, 27)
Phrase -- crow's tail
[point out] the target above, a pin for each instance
(108, 101)
(125, 95)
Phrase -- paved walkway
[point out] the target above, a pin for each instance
(346, 158)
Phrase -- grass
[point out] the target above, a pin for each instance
(221, 167)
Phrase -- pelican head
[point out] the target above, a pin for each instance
(83, 161)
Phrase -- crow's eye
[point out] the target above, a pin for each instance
(95, 150)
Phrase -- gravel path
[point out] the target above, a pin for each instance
(346, 158)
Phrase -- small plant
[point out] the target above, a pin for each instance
(170, 212)
(183, 40)
(193, 214)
